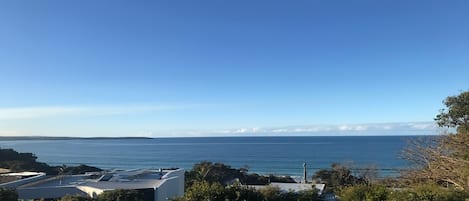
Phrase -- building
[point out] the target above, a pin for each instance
(156, 185)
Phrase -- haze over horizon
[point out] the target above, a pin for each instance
(229, 68)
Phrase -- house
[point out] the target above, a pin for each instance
(156, 185)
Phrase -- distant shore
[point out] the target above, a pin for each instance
(5, 138)
(12, 138)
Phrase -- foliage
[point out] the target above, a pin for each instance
(75, 198)
(8, 195)
(225, 174)
(428, 192)
(11, 159)
(121, 195)
(271, 193)
(213, 172)
(444, 159)
(308, 195)
(417, 193)
(364, 193)
(17, 162)
(200, 191)
(338, 176)
(81, 169)
(457, 113)
(241, 193)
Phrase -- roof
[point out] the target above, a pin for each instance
(57, 181)
(3, 170)
(87, 184)
(48, 192)
(109, 185)
(23, 174)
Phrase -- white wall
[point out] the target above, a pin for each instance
(172, 186)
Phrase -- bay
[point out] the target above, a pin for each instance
(264, 155)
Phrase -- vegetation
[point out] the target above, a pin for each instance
(8, 195)
(121, 195)
(114, 195)
(427, 192)
(17, 162)
(457, 113)
(338, 176)
(444, 160)
(75, 198)
(440, 165)
(225, 174)
(10, 159)
(217, 181)
(81, 169)
(440, 172)
(201, 191)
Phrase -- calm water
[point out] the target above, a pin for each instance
(278, 155)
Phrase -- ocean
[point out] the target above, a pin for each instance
(263, 155)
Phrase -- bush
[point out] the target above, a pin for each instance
(364, 193)
(8, 195)
(428, 193)
(75, 198)
(416, 193)
(121, 195)
(200, 191)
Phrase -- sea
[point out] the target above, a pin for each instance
(262, 155)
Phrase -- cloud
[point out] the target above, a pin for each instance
(10, 133)
(59, 111)
(406, 128)
(372, 129)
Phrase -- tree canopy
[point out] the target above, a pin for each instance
(456, 115)
(16, 162)
(121, 195)
(444, 159)
(8, 195)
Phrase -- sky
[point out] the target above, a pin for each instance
(229, 68)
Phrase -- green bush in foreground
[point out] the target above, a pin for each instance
(75, 198)
(364, 193)
(417, 193)
(121, 195)
(203, 191)
(8, 195)
(429, 193)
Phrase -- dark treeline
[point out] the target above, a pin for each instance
(18, 162)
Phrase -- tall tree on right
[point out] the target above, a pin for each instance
(457, 113)
(444, 159)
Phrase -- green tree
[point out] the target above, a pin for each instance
(8, 195)
(75, 198)
(444, 159)
(457, 113)
(121, 195)
(238, 192)
(204, 191)
(338, 176)
(213, 172)
(271, 193)
(308, 195)
(364, 193)
(427, 192)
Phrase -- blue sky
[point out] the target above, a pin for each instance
(195, 68)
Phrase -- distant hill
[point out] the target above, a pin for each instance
(11, 160)
(5, 138)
